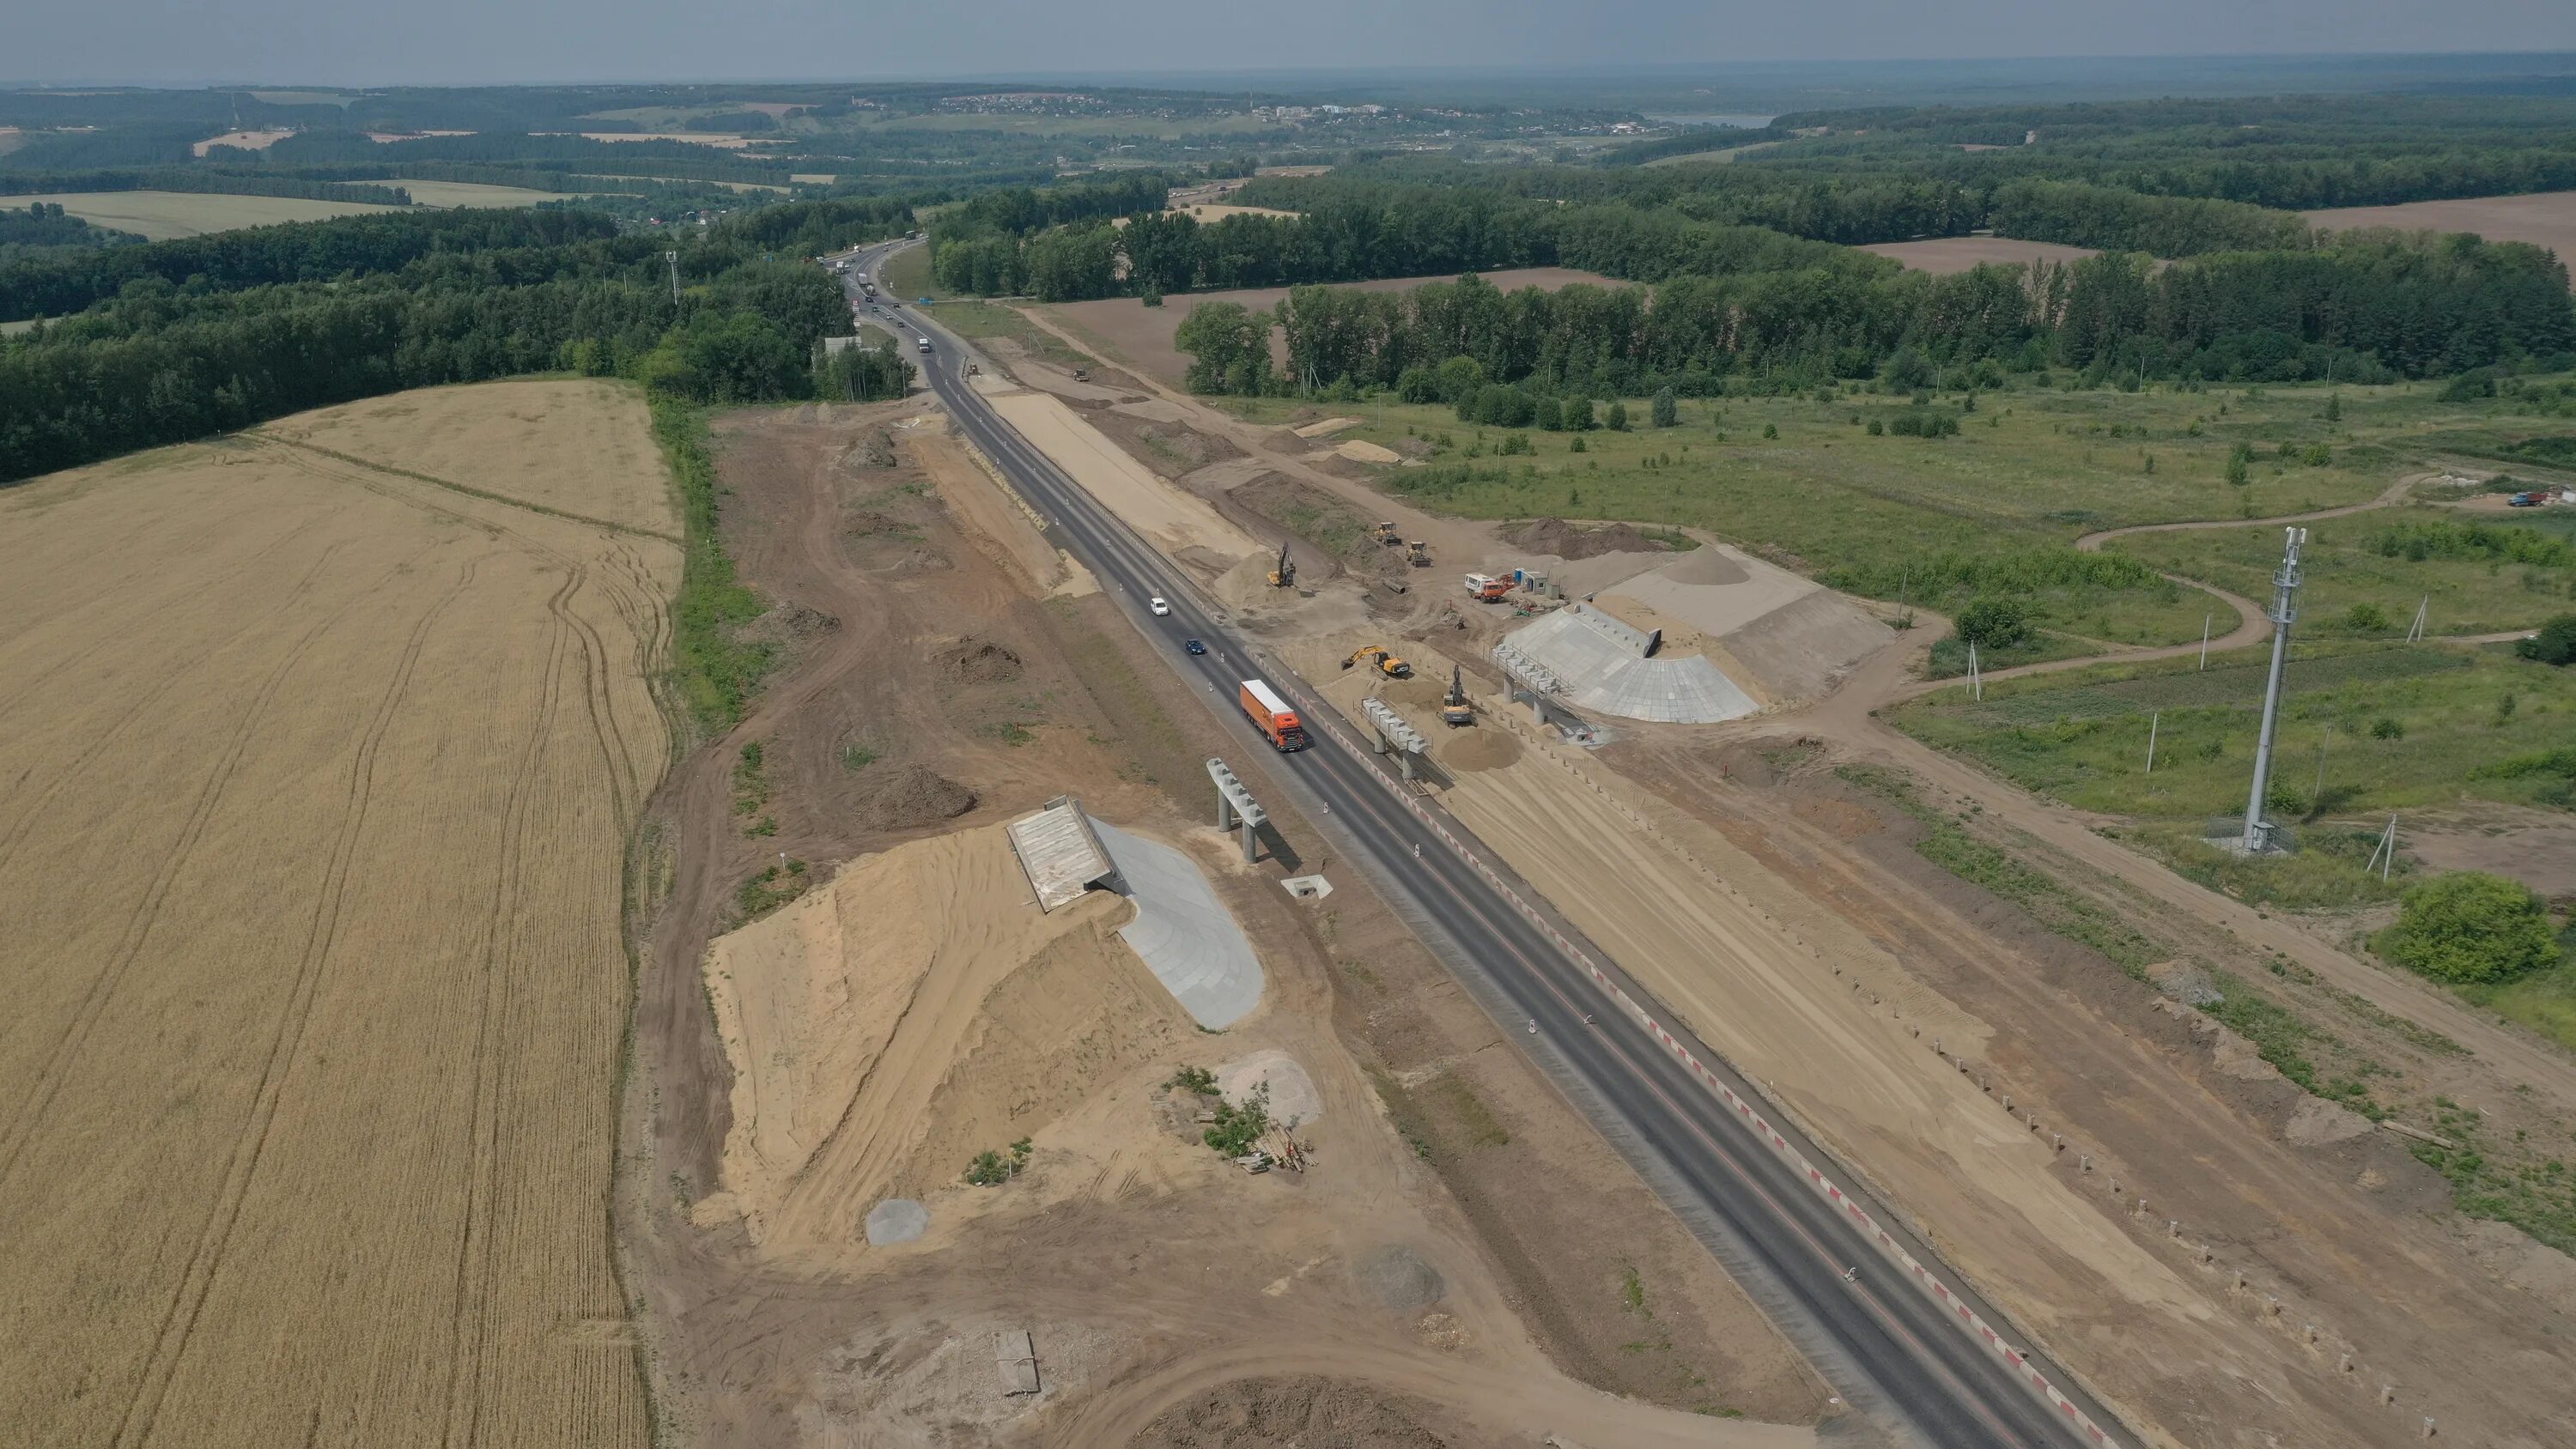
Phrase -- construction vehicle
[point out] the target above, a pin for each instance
(1386, 535)
(1284, 573)
(1486, 589)
(1454, 708)
(1271, 715)
(1418, 553)
(1385, 660)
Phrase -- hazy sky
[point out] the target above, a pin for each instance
(370, 42)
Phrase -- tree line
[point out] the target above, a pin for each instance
(294, 252)
(200, 178)
(165, 359)
(2366, 311)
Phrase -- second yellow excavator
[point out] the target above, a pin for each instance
(1386, 662)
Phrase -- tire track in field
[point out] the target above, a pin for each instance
(474, 1266)
(250, 1145)
(625, 779)
(30, 686)
(138, 927)
(15, 836)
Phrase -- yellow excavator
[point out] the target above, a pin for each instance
(1386, 662)
(1284, 573)
(1454, 708)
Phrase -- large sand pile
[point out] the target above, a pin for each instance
(913, 1012)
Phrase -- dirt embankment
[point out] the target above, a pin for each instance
(2336, 1221)
(1574, 541)
(1163, 1289)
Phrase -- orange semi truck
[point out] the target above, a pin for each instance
(1272, 716)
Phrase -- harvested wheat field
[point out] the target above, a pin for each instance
(2547, 219)
(311, 846)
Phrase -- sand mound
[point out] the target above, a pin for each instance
(1477, 748)
(1567, 541)
(1326, 428)
(907, 1015)
(1706, 566)
(911, 797)
(978, 661)
(1364, 452)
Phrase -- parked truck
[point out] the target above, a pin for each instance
(1486, 588)
(1272, 716)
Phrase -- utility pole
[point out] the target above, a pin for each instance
(2285, 612)
(2415, 631)
(674, 259)
(1976, 681)
(2153, 721)
(2204, 641)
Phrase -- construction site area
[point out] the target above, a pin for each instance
(988, 1094)
(1676, 742)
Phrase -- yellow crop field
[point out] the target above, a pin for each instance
(322, 755)
(162, 215)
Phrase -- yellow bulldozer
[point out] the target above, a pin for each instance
(1386, 535)
(1386, 662)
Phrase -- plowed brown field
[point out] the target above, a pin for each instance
(320, 761)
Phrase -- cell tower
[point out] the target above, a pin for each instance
(2285, 612)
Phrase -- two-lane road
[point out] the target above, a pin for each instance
(1895, 1353)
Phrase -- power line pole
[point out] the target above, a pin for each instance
(674, 259)
(2204, 640)
(2285, 612)
(2153, 721)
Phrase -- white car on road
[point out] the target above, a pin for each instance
(1159, 606)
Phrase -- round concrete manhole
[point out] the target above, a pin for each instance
(896, 1220)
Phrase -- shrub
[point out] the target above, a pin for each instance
(2385, 728)
(1664, 410)
(2470, 928)
(1239, 1127)
(1578, 415)
(1194, 1079)
(1616, 417)
(2553, 643)
(1876, 428)
(1152, 299)
(2365, 617)
(1994, 622)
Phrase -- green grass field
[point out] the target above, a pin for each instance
(2032, 469)
(2363, 583)
(2399, 727)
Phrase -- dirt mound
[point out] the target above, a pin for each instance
(979, 661)
(907, 1015)
(911, 797)
(1397, 1277)
(1567, 541)
(1306, 1413)
(1479, 747)
(869, 523)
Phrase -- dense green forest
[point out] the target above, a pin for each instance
(2364, 311)
(43, 226)
(177, 340)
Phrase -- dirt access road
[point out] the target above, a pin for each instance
(928, 645)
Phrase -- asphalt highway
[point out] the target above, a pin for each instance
(1889, 1349)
